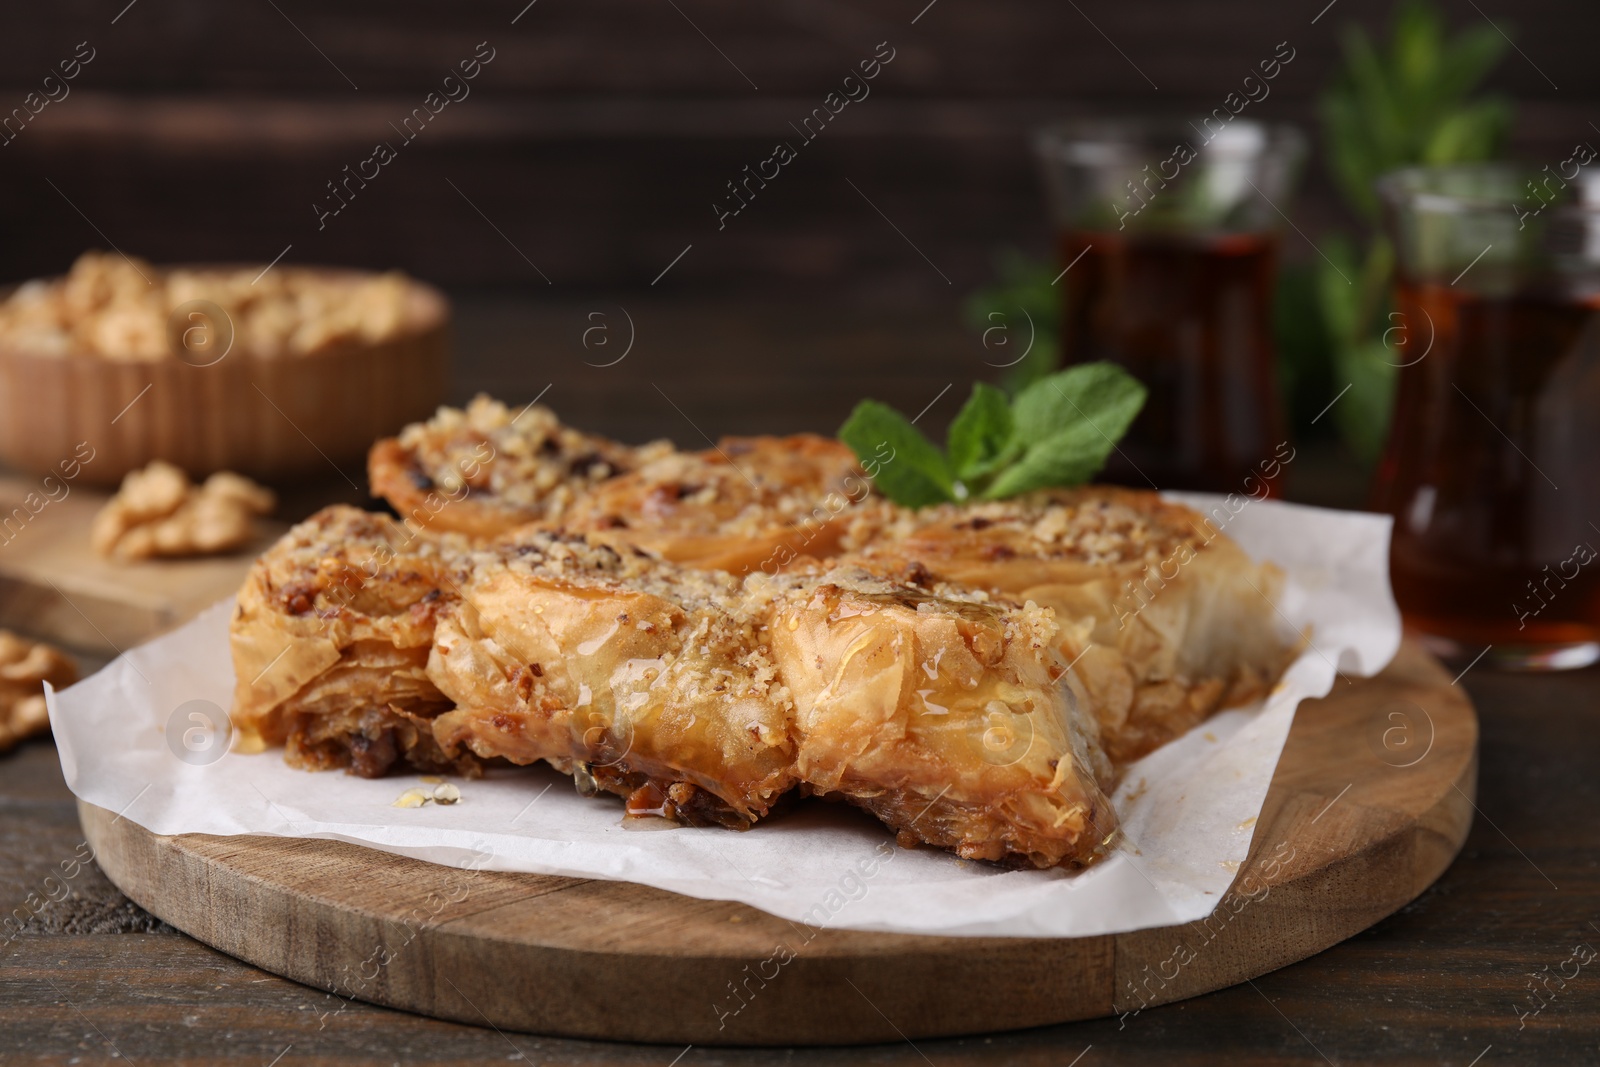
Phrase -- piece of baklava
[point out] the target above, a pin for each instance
(636, 676)
(488, 469)
(940, 712)
(706, 699)
(331, 637)
(1163, 618)
(749, 504)
(694, 694)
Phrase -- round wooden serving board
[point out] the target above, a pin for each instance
(1370, 803)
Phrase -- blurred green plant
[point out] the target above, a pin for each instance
(1413, 100)
(1021, 305)
(1410, 103)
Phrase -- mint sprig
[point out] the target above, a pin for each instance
(1057, 432)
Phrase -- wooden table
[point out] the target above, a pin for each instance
(1436, 984)
(94, 977)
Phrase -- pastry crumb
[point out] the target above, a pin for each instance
(411, 798)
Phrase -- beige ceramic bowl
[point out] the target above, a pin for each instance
(275, 419)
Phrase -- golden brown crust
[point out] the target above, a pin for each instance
(939, 712)
(485, 470)
(1164, 619)
(750, 504)
(330, 641)
(618, 668)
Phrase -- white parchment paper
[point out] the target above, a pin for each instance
(133, 739)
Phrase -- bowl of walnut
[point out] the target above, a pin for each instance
(280, 373)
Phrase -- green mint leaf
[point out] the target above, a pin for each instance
(1103, 394)
(1058, 432)
(1068, 424)
(904, 465)
(1070, 457)
(981, 435)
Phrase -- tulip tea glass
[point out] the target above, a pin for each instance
(1168, 241)
(1492, 467)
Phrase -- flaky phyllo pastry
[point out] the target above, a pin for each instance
(709, 634)
(331, 639)
(1163, 618)
(749, 504)
(693, 694)
(745, 504)
(942, 713)
(495, 468)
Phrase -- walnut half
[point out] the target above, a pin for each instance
(24, 668)
(159, 512)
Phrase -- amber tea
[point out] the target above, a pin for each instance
(1489, 469)
(1492, 468)
(1190, 315)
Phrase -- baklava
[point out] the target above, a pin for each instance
(749, 504)
(694, 694)
(487, 469)
(1163, 618)
(708, 634)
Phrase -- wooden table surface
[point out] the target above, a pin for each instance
(93, 979)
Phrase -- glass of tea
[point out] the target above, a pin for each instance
(1168, 244)
(1492, 468)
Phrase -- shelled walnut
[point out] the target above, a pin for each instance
(160, 512)
(121, 308)
(24, 668)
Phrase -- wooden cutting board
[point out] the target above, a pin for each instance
(55, 587)
(1371, 801)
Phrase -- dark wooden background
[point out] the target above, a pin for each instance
(603, 130)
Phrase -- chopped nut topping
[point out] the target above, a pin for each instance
(526, 458)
